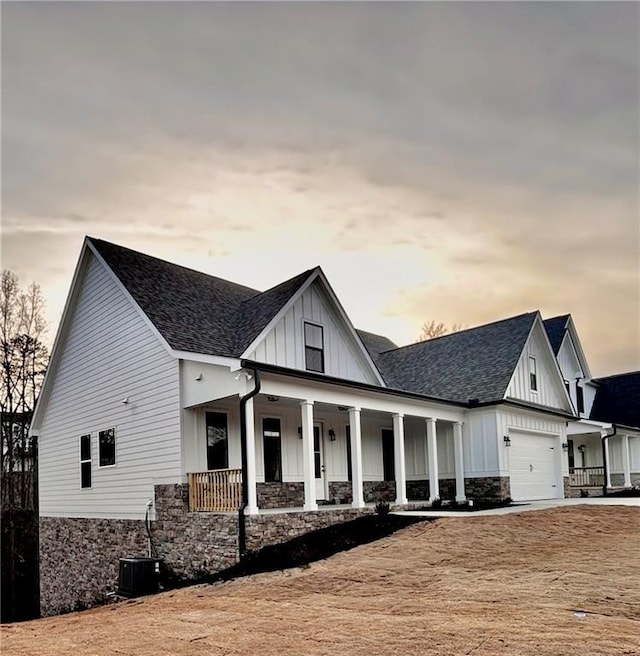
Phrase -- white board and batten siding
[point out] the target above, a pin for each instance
(109, 353)
(284, 344)
(550, 386)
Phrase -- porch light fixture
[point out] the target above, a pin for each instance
(507, 440)
(199, 376)
(582, 448)
(332, 435)
(565, 446)
(125, 400)
(273, 399)
(300, 432)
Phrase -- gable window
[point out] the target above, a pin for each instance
(107, 447)
(533, 377)
(85, 461)
(580, 399)
(314, 347)
(388, 465)
(271, 437)
(217, 441)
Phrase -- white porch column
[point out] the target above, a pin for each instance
(252, 495)
(607, 460)
(308, 458)
(356, 458)
(432, 454)
(626, 461)
(398, 456)
(459, 461)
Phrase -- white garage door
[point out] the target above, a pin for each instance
(532, 467)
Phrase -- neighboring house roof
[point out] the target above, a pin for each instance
(618, 399)
(194, 311)
(556, 328)
(476, 363)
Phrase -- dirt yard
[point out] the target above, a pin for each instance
(482, 585)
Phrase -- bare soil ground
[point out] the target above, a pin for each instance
(482, 585)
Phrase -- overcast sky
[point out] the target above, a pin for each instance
(461, 162)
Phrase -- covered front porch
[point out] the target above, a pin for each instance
(322, 451)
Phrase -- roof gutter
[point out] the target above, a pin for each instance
(242, 529)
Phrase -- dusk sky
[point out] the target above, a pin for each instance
(461, 162)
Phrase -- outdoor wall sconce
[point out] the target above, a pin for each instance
(300, 432)
(507, 440)
(199, 376)
(125, 400)
(332, 435)
(273, 399)
(582, 448)
(565, 446)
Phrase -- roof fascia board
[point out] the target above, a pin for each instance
(523, 405)
(322, 378)
(550, 356)
(133, 302)
(276, 317)
(577, 345)
(352, 330)
(56, 349)
(316, 274)
(231, 363)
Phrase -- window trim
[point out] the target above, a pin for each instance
(313, 348)
(579, 399)
(533, 374)
(85, 461)
(115, 448)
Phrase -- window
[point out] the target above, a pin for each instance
(85, 461)
(580, 399)
(107, 447)
(313, 347)
(388, 464)
(217, 441)
(533, 379)
(571, 454)
(272, 450)
(349, 469)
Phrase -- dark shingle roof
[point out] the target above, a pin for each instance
(375, 344)
(556, 328)
(471, 364)
(194, 311)
(618, 399)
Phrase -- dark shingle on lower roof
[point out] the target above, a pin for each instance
(618, 399)
(375, 344)
(194, 311)
(472, 364)
(556, 328)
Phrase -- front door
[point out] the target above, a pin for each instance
(318, 460)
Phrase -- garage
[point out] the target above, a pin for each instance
(532, 466)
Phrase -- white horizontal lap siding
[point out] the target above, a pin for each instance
(109, 353)
(549, 383)
(284, 345)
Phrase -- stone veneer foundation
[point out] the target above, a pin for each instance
(79, 557)
(280, 495)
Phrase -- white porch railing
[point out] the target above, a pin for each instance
(586, 476)
(219, 490)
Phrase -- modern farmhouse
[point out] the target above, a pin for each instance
(238, 418)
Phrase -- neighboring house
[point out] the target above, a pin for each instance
(604, 443)
(195, 396)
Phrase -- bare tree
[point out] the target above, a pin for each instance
(431, 330)
(23, 362)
